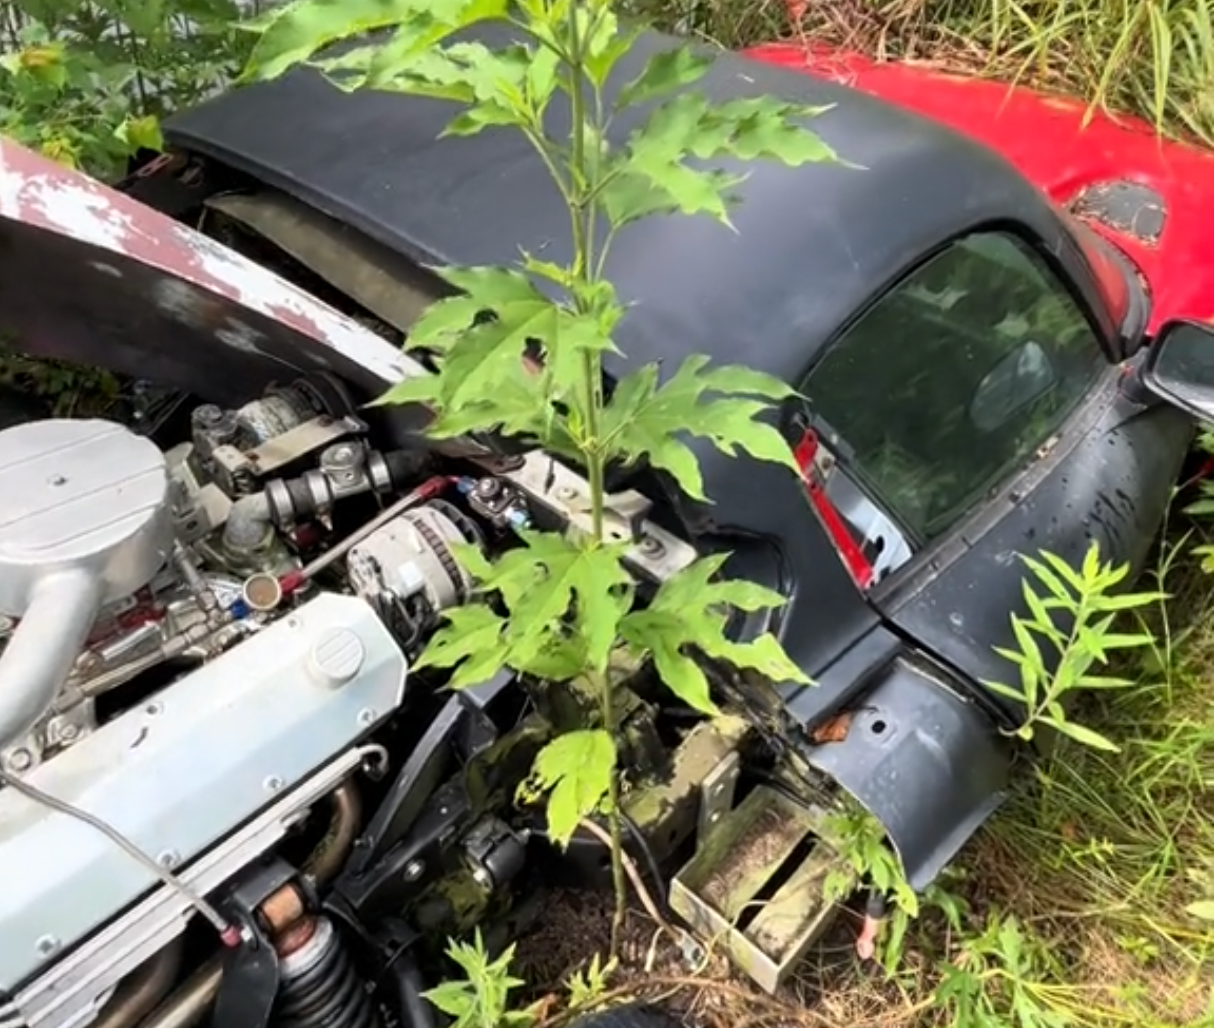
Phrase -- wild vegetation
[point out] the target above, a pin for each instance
(1089, 902)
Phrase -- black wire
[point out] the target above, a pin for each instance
(651, 862)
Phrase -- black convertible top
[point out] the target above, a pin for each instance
(813, 243)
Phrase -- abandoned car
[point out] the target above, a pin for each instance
(227, 795)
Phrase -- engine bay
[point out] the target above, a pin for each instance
(208, 714)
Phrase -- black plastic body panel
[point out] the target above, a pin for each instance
(1111, 484)
(925, 761)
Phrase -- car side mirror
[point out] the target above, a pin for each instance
(1179, 367)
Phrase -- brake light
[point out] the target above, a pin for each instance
(851, 552)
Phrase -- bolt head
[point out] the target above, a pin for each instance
(650, 546)
(482, 878)
(21, 759)
(274, 783)
(413, 870)
(566, 492)
(47, 946)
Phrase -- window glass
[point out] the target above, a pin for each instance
(951, 381)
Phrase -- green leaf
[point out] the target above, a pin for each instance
(664, 73)
(603, 58)
(1085, 736)
(575, 771)
(1073, 580)
(1129, 601)
(471, 641)
(141, 133)
(1203, 909)
(553, 581)
(1005, 690)
(293, 33)
(690, 612)
(454, 998)
(644, 419)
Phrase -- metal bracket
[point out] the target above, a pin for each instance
(653, 551)
(717, 792)
(756, 884)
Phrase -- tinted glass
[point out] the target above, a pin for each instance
(950, 382)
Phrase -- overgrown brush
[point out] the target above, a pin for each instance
(85, 81)
(1154, 58)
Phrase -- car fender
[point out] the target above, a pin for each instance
(924, 760)
(1152, 198)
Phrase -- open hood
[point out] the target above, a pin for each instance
(91, 276)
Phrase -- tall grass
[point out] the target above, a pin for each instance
(1154, 58)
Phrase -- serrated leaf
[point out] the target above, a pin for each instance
(293, 33)
(471, 641)
(603, 58)
(630, 197)
(552, 581)
(690, 612)
(575, 771)
(478, 117)
(646, 419)
(765, 127)
(663, 73)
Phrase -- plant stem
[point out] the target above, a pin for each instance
(583, 189)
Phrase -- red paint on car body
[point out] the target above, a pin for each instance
(1046, 139)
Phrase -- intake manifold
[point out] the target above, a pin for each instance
(84, 521)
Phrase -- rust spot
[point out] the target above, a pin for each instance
(833, 730)
(282, 909)
(294, 937)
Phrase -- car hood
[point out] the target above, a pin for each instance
(91, 276)
(1152, 198)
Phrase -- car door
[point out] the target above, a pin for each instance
(967, 416)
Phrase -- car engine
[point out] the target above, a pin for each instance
(206, 642)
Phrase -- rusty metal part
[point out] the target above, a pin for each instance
(283, 908)
(329, 856)
(666, 811)
(756, 884)
(189, 1005)
(295, 937)
(142, 989)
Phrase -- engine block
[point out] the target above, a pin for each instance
(180, 772)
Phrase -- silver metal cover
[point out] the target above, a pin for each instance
(186, 769)
(85, 496)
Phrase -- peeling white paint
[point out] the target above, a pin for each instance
(79, 209)
(260, 289)
(11, 182)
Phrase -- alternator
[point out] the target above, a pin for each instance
(407, 571)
